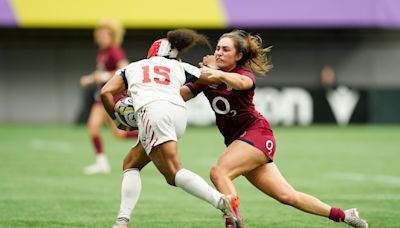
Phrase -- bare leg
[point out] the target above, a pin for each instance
(165, 158)
(95, 122)
(269, 180)
(136, 158)
(238, 158)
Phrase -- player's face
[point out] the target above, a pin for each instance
(225, 54)
(103, 38)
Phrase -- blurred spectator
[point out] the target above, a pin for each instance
(341, 99)
(108, 36)
(328, 77)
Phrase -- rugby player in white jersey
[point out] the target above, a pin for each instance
(154, 84)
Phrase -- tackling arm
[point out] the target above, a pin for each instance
(234, 80)
(186, 93)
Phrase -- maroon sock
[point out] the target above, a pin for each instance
(96, 140)
(337, 214)
(131, 134)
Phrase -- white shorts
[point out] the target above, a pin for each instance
(159, 122)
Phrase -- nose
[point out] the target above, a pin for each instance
(218, 52)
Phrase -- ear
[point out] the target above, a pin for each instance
(238, 56)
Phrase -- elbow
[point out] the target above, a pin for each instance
(241, 86)
(104, 94)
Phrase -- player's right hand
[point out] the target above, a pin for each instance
(121, 126)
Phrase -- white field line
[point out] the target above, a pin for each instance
(361, 177)
(47, 145)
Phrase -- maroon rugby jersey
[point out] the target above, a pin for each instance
(234, 109)
(107, 59)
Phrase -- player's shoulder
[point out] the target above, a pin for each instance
(134, 65)
(243, 70)
(140, 62)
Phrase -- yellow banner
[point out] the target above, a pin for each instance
(133, 13)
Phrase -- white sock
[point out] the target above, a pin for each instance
(130, 191)
(197, 186)
(101, 159)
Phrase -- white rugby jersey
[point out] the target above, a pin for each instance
(157, 78)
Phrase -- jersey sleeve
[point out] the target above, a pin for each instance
(192, 73)
(245, 72)
(196, 88)
(122, 73)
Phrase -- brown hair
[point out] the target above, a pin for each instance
(254, 55)
(183, 39)
(115, 26)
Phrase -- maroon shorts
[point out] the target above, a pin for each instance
(261, 138)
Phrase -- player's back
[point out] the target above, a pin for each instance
(157, 78)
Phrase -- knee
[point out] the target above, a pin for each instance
(216, 174)
(171, 182)
(169, 176)
(170, 179)
(93, 128)
(288, 198)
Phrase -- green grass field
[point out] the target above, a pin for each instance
(42, 183)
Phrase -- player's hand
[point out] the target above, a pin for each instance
(86, 80)
(101, 76)
(210, 73)
(209, 61)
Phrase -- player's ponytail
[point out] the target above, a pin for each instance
(183, 39)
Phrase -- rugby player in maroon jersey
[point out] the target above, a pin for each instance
(110, 57)
(248, 136)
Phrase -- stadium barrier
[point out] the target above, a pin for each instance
(299, 106)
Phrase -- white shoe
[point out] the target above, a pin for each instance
(353, 219)
(97, 168)
(121, 223)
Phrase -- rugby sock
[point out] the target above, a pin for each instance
(96, 140)
(337, 214)
(197, 186)
(131, 134)
(130, 191)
